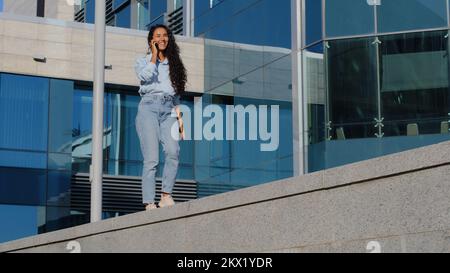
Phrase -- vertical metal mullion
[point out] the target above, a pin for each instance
(304, 96)
(323, 19)
(378, 81)
(134, 16)
(448, 13)
(327, 95)
(375, 18)
(325, 70)
(448, 54)
(47, 177)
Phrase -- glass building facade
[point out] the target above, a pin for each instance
(48, 140)
(249, 68)
(375, 78)
(118, 14)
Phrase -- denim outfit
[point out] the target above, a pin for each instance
(154, 124)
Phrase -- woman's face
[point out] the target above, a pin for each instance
(161, 37)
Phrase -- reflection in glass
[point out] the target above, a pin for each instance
(414, 83)
(348, 17)
(124, 144)
(58, 217)
(58, 161)
(157, 10)
(19, 221)
(123, 17)
(24, 111)
(58, 188)
(90, 11)
(315, 97)
(143, 14)
(12, 158)
(82, 127)
(23, 186)
(352, 88)
(313, 23)
(60, 116)
(260, 23)
(400, 15)
(226, 165)
(384, 95)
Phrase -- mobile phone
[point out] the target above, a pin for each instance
(156, 45)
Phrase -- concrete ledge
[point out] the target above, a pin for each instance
(403, 194)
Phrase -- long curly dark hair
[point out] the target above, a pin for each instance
(177, 70)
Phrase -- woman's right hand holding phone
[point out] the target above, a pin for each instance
(155, 51)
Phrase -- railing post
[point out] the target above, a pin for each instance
(97, 113)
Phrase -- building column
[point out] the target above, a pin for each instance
(298, 109)
(134, 14)
(188, 16)
(96, 170)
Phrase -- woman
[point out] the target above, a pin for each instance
(162, 80)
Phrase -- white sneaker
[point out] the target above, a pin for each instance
(166, 201)
(151, 206)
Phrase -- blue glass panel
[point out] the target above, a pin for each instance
(352, 85)
(122, 111)
(414, 83)
(185, 171)
(313, 12)
(206, 17)
(22, 159)
(343, 152)
(60, 119)
(90, 11)
(1, 5)
(143, 15)
(82, 123)
(178, 4)
(58, 217)
(157, 9)
(314, 86)
(249, 22)
(58, 189)
(249, 162)
(127, 168)
(348, 17)
(20, 221)
(24, 111)
(227, 165)
(123, 17)
(117, 3)
(22, 186)
(398, 15)
(412, 97)
(186, 168)
(59, 161)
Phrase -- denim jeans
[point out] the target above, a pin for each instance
(153, 125)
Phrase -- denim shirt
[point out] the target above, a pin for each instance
(154, 78)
